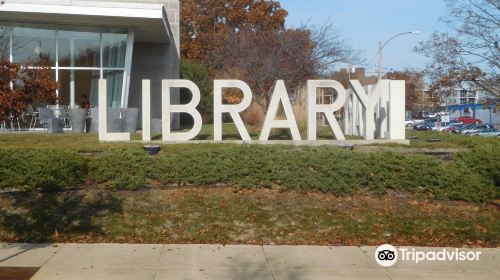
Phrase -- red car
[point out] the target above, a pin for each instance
(467, 120)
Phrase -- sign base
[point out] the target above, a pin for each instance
(284, 142)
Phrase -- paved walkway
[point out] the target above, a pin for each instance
(161, 262)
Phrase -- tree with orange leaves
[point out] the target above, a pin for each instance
(21, 86)
(414, 86)
(201, 20)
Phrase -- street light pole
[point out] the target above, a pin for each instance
(381, 47)
(379, 60)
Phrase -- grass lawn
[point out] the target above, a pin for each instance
(446, 140)
(89, 142)
(232, 216)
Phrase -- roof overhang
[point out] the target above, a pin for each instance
(149, 21)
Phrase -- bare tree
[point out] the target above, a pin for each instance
(331, 48)
(472, 53)
(293, 55)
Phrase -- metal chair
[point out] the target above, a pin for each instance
(35, 116)
(64, 113)
(12, 120)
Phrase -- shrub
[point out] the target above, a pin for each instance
(254, 115)
(122, 168)
(327, 169)
(483, 160)
(41, 169)
(472, 176)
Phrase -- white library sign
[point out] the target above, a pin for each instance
(377, 111)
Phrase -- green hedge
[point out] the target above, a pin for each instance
(122, 168)
(327, 169)
(474, 175)
(27, 169)
(483, 160)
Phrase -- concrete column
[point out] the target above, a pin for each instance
(397, 110)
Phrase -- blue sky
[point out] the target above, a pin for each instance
(366, 22)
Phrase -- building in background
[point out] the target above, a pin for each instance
(84, 41)
(467, 100)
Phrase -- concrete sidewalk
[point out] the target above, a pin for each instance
(162, 262)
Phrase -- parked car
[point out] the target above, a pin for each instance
(461, 127)
(467, 120)
(426, 125)
(488, 132)
(423, 115)
(476, 128)
(409, 123)
(422, 126)
(451, 128)
(440, 126)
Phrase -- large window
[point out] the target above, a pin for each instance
(33, 44)
(79, 56)
(5, 33)
(78, 83)
(78, 49)
(114, 47)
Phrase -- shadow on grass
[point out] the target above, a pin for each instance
(42, 217)
(281, 134)
(202, 137)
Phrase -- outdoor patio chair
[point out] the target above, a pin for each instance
(65, 115)
(13, 120)
(35, 116)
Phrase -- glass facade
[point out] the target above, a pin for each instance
(80, 82)
(79, 56)
(78, 49)
(5, 42)
(114, 47)
(31, 44)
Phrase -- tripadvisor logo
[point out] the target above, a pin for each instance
(387, 255)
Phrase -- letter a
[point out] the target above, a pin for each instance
(280, 94)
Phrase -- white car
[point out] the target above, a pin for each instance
(445, 128)
(488, 132)
(409, 123)
(442, 127)
(476, 129)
